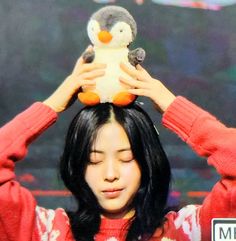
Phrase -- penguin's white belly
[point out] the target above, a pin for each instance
(109, 85)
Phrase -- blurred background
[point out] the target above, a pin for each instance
(191, 49)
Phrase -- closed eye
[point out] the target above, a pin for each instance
(126, 160)
(93, 162)
(126, 156)
(96, 158)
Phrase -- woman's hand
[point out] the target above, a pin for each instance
(82, 75)
(142, 84)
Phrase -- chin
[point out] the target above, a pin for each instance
(115, 211)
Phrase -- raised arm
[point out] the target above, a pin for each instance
(83, 74)
(211, 139)
(143, 84)
(17, 205)
(205, 134)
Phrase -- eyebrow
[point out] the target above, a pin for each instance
(124, 149)
(120, 150)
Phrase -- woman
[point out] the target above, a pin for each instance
(115, 170)
(115, 167)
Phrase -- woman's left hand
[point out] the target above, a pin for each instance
(142, 84)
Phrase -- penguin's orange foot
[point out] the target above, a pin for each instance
(123, 99)
(89, 98)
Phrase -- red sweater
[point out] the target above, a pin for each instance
(22, 220)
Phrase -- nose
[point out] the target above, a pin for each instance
(104, 36)
(111, 171)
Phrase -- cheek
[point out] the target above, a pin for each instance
(90, 176)
(132, 173)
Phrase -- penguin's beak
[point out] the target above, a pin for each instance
(104, 36)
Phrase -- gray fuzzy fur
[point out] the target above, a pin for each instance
(136, 56)
(88, 56)
(110, 15)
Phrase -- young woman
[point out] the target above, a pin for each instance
(114, 165)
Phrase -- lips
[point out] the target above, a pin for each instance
(112, 193)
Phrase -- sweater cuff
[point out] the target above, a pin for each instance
(180, 116)
(37, 117)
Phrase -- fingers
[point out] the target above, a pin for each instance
(91, 66)
(88, 78)
(140, 68)
(80, 62)
(92, 75)
(138, 87)
(78, 66)
(81, 67)
(84, 78)
(132, 72)
(86, 82)
(133, 83)
(89, 48)
(139, 92)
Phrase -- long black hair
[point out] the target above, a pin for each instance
(151, 198)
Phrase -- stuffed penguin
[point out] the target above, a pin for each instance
(111, 30)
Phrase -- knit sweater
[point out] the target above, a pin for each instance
(22, 220)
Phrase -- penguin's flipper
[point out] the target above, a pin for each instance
(88, 56)
(89, 98)
(123, 99)
(136, 56)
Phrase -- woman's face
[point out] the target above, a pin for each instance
(113, 174)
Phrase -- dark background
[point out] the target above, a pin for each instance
(193, 51)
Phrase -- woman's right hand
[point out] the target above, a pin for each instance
(82, 75)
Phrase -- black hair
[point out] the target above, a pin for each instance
(151, 198)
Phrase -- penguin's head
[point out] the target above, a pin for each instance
(112, 26)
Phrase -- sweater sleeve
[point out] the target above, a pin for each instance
(17, 209)
(209, 138)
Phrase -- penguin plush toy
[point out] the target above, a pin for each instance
(111, 30)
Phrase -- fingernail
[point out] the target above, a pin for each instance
(90, 47)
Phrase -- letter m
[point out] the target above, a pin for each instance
(225, 234)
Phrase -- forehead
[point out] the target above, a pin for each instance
(111, 136)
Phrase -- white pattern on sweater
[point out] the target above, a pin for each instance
(45, 219)
(188, 219)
